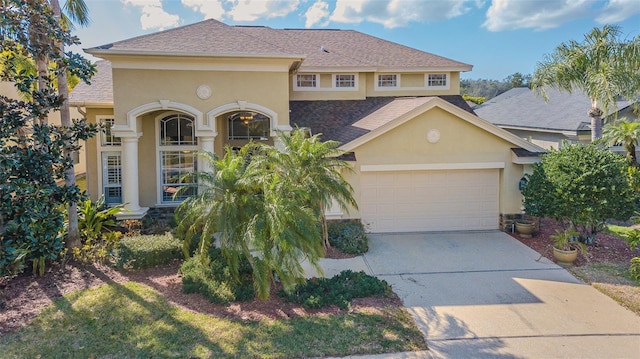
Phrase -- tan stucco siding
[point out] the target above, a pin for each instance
(147, 161)
(326, 91)
(93, 160)
(412, 80)
(460, 142)
(139, 87)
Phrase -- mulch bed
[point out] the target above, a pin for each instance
(605, 248)
(22, 298)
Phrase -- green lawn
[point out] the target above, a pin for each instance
(134, 321)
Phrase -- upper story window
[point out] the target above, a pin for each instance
(437, 80)
(248, 125)
(345, 81)
(388, 80)
(177, 130)
(307, 80)
(106, 138)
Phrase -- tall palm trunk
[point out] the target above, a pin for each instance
(596, 123)
(73, 234)
(325, 227)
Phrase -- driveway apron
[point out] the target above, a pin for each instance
(484, 294)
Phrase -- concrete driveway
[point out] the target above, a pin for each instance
(486, 295)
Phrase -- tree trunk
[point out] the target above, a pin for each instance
(325, 231)
(596, 123)
(73, 234)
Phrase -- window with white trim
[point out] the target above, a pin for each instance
(106, 138)
(437, 80)
(112, 177)
(177, 149)
(388, 80)
(307, 80)
(345, 81)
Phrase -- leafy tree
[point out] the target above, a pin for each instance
(316, 166)
(518, 80)
(77, 10)
(625, 133)
(33, 153)
(581, 186)
(602, 66)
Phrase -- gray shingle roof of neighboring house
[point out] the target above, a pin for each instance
(99, 92)
(523, 108)
(346, 120)
(346, 48)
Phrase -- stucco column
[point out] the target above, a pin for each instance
(206, 145)
(130, 185)
(275, 134)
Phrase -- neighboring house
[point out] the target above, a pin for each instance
(422, 159)
(547, 124)
(79, 158)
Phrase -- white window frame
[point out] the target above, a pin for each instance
(441, 87)
(115, 141)
(316, 82)
(115, 147)
(382, 88)
(104, 166)
(176, 148)
(334, 81)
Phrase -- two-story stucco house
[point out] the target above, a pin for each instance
(422, 159)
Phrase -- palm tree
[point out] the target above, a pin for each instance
(77, 11)
(602, 67)
(626, 133)
(242, 202)
(316, 166)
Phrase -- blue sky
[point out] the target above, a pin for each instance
(498, 37)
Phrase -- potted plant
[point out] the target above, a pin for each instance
(525, 228)
(566, 246)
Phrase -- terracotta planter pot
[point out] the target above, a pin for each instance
(525, 229)
(565, 257)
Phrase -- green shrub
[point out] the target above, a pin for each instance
(144, 251)
(338, 290)
(348, 237)
(99, 249)
(635, 268)
(215, 281)
(582, 185)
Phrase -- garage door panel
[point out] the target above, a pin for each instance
(430, 200)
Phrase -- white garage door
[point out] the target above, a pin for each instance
(435, 200)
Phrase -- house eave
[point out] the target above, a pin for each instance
(421, 69)
(92, 104)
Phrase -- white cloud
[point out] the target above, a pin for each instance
(618, 10)
(251, 10)
(394, 13)
(317, 13)
(538, 15)
(153, 14)
(211, 9)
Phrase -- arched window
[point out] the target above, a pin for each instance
(177, 152)
(247, 125)
(177, 130)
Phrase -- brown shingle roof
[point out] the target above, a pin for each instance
(347, 48)
(206, 37)
(101, 89)
(346, 120)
